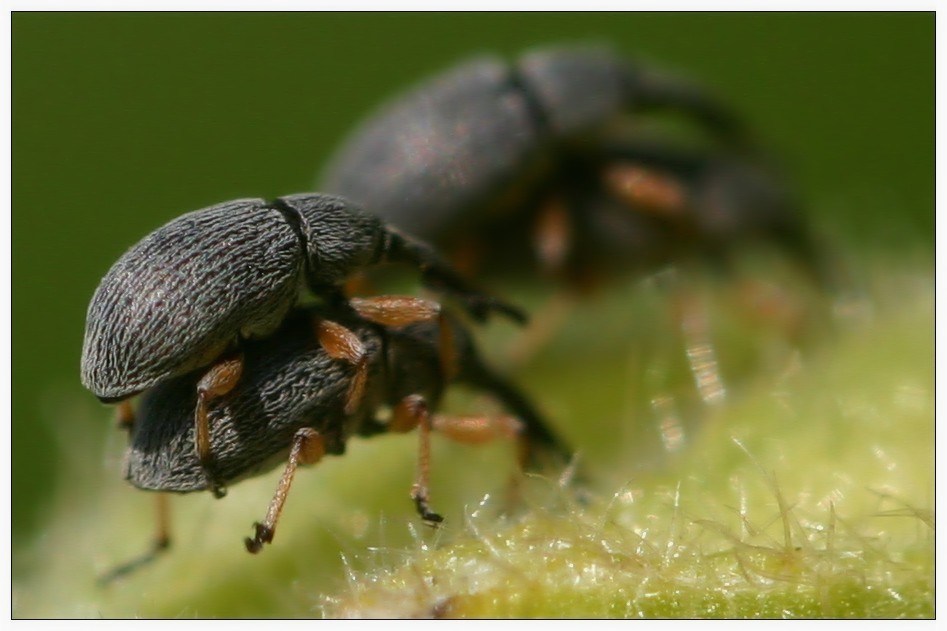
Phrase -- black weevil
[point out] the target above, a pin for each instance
(324, 376)
(185, 295)
(181, 296)
(490, 157)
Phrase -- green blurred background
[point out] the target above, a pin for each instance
(124, 121)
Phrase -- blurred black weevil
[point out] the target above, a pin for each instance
(548, 160)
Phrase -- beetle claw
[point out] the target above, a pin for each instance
(514, 313)
(480, 307)
(264, 534)
(430, 517)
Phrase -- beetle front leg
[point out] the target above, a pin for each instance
(399, 311)
(395, 311)
(218, 381)
(438, 275)
(308, 448)
(483, 429)
(653, 89)
(535, 435)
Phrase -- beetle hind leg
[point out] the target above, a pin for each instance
(160, 543)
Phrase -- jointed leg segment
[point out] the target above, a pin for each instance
(160, 543)
(692, 315)
(162, 537)
(646, 189)
(553, 235)
(125, 416)
(341, 343)
(395, 311)
(438, 275)
(413, 412)
(218, 381)
(308, 448)
(399, 311)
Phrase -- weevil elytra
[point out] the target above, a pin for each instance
(323, 377)
(181, 296)
(548, 161)
(185, 296)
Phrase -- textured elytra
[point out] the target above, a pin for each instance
(290, 382)
(185, 292)
(177, 299)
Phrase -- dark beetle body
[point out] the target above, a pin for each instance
(472, 156)
(456, 142)
(729, 201)
(290, 382)
(185, 293)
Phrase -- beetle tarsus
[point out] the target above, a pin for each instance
(427, 515)
(263, 535)
(480, 306)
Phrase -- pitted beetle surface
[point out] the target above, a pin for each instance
(185, 293)
(296, 394)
